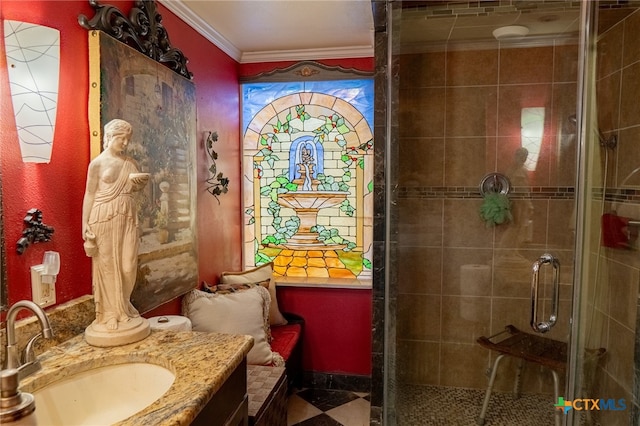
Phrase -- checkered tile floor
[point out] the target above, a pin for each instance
(323, 407)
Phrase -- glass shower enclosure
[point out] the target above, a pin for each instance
(511, 191)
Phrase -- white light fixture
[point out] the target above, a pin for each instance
(510, 32)
(33, 62)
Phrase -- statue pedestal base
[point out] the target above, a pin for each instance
(127, 332)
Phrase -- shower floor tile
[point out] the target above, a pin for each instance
(435, 405)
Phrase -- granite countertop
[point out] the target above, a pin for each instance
(201, 362)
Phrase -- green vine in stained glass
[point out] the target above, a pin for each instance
(328, 127)
(260, 257)
(332, 236)
(352, 156)
(335, 122)
(346, 207)
(283, 231)
(250, 212)
(301, 113)
(329, 183)
(267, 140)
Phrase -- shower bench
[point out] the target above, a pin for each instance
(543, 351)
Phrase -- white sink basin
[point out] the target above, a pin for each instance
(101, 396)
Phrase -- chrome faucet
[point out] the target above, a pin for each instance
(28, 363)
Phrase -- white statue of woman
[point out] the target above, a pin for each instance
(110, 231)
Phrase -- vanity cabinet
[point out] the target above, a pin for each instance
(210, 386)
(229, 405)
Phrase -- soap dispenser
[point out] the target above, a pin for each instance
(16, 408)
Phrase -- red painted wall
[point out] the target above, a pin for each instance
(337, 335)
(57, 188)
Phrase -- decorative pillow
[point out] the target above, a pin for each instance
(229, 288)
(243, 312)
(262, 275)
(233, 288)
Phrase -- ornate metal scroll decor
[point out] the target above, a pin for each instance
(217, 184)
(142, 30)
(35, 231)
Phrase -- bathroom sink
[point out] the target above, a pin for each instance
(101, 396)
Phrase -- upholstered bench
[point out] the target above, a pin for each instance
(287, 341)
(267, 394)
(246, 302)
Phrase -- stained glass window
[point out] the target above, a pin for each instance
(308, 178)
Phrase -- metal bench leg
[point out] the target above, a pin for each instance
(518, 382)
(487, 395)
(556, 394)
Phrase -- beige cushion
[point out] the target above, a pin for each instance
(244, 312)
(261, 274)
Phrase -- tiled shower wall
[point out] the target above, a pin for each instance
(459, 119)
(613, 318)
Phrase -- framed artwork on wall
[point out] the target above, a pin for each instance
(160, 104)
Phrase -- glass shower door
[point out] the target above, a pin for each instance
(472, 106)
(606, 310)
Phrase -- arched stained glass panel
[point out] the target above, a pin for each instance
(308, 176)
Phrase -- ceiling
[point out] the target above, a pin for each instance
(282, 30)
(431, 24)
(294, 30)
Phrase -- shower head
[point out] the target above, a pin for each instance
(573, 119)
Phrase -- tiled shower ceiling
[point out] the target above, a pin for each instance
(431, 24)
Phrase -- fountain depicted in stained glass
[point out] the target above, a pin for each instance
(309, 200)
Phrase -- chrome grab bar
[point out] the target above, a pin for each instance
(544, 326)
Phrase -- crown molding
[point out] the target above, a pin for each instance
(202, 27)
(307, 54)
(208, 32)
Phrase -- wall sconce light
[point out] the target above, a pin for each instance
(33, 62)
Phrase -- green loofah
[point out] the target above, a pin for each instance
(496, 209)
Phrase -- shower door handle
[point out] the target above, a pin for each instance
(544, 326)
